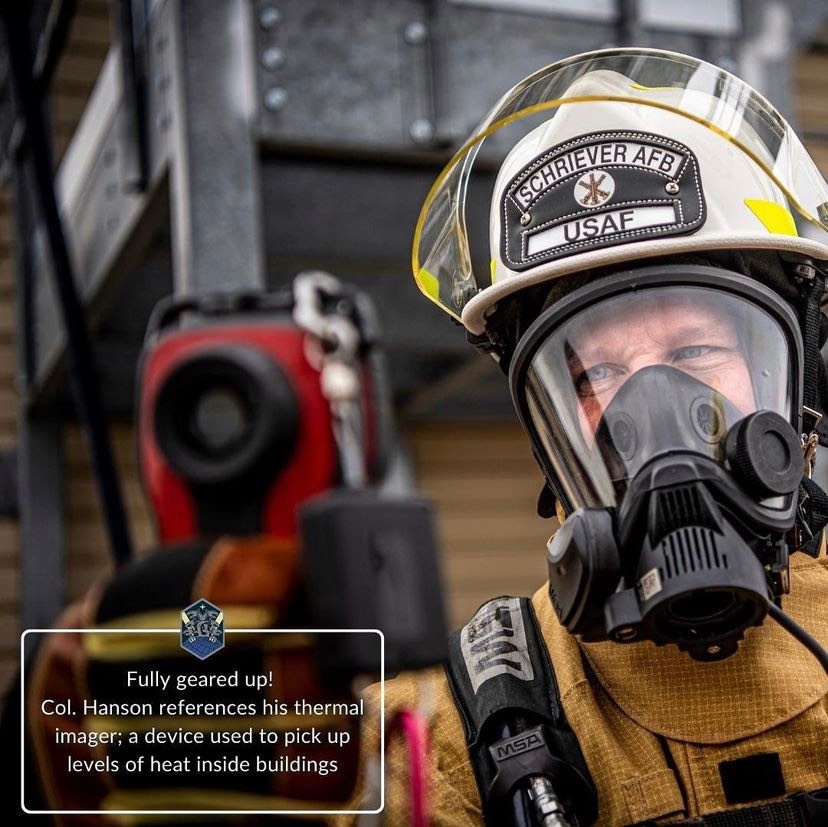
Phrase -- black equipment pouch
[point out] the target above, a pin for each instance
(371, 562)
(505, 690)
(800, 810)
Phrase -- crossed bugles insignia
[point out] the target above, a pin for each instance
(595, 194)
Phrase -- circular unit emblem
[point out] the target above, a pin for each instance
(594, 188)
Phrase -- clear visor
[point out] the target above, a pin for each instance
(648, 373)
(442, 258)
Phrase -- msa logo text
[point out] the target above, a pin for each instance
(517, 745)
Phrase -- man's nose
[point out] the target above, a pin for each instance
(644, 360)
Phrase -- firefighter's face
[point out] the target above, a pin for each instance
(692, 335)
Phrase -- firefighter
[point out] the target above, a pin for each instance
(652, 290)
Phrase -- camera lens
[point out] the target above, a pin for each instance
(227, 416)
(219, 418)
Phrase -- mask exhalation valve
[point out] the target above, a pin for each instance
(765, 454)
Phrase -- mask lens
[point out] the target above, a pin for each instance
(653, 370)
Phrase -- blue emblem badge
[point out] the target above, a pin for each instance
(202, 629)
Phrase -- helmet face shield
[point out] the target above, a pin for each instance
(639, 152)
(649, 363)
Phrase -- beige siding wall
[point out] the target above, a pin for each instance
(485, 484)
(482, 479)
(87, 555)
(87, 552)
(811, 80)
(86, 48)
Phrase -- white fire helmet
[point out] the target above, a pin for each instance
(621, 155)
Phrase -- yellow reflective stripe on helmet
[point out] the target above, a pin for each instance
(429, 284)
(774, 217)
(492, 265)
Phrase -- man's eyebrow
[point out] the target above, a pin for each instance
(690, 329)
(590, 350)
(704, 329)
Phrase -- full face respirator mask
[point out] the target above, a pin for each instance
(660, 405)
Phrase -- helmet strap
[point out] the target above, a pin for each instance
(812, 285)
(813, 501)
(493, 342)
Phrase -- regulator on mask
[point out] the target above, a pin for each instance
(660, 401)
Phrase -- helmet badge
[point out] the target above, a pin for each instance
(594, 188)
(658, 176)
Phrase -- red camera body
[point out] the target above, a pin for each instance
(198, 485)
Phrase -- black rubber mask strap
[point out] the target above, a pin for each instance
(813, 513)
(813, 286)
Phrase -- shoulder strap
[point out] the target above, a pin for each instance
(505, 690)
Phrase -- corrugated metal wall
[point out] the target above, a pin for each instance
(481, 476)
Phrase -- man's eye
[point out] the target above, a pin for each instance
(594, 379)
(597, 373)
(692, 352)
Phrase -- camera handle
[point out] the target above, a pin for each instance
(333, 344)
